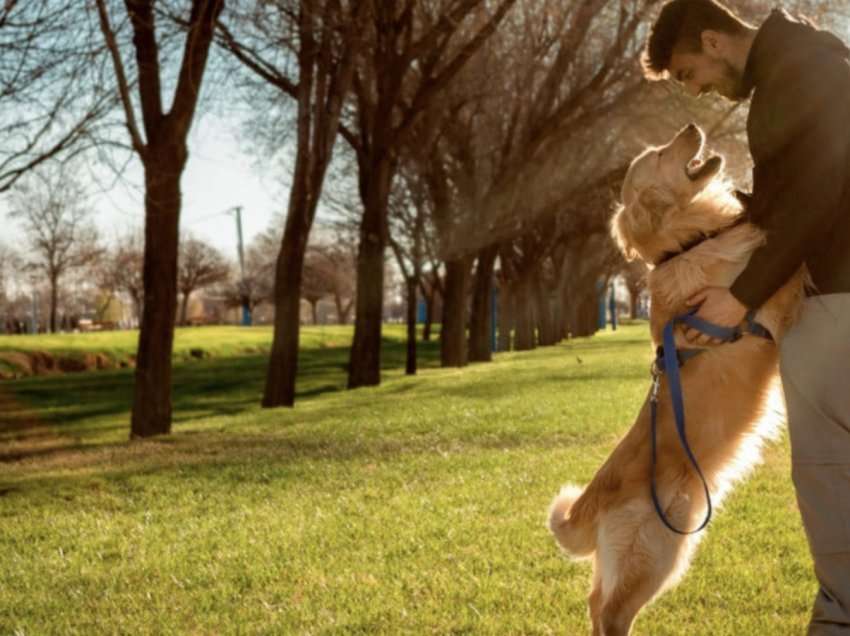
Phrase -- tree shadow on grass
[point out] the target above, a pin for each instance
(81, 412)
(76, 408)
(280, 456)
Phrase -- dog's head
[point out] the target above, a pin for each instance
(658, 191)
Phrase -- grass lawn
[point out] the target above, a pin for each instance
(205, 342)
(414, 507)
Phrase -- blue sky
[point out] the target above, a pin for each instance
(221, 173)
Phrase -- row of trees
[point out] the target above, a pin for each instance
(84, 276)
(471, 137)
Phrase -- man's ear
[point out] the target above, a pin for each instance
(713, 43)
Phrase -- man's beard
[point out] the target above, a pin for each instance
(733, 81)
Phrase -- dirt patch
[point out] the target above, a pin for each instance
(19, 364)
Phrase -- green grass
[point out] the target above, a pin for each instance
(227, 340)
(120, 346)
(414, 507)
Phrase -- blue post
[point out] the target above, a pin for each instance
(600, 294)
(494, 314)
(246, 316)
(421, 312)
(612, 306)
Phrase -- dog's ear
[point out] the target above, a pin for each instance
(633, 225)
(621, 231)
(655, 202)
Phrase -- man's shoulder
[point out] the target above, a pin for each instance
(798, 51)
(809, 68)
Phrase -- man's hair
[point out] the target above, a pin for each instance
(679, 26)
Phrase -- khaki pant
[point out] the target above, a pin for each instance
(815, 366)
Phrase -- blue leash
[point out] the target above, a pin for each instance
(668, 361)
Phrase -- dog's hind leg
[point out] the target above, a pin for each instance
(638, 558)
(594, 602)
(619, 610)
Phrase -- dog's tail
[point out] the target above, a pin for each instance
(573, 527)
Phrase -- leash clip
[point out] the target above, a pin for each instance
(656, 383)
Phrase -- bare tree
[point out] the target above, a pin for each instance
(163, 152)
(121, 270)
(10, 263)
(416, 50)
(407, 238)
(634, 274)
(53, 210)
(51, 100)
(319, 40)
(315, 284)
(199, 265)
(337, 256)
(257, 284)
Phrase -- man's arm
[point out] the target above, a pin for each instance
(805, 139)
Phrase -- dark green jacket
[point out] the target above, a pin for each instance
(799, 135)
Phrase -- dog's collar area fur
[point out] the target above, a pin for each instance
(666, 256)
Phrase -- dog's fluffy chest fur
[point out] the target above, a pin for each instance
(717, 262)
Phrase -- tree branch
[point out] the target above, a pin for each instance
(123, 88)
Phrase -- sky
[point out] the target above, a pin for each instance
(221, 173)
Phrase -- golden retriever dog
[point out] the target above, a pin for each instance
(680, 217)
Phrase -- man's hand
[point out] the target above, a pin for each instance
(720, 307)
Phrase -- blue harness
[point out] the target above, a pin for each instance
(668, 361)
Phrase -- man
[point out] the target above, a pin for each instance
(798, 79)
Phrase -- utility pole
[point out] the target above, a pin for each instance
(246, 305)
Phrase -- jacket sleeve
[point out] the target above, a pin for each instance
(800, 169)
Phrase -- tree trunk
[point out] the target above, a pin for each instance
(481, 317)
(558, 317)
(453, 352)
(346, 310)
(54, 301)
(429, 316)
(338, 305)
(364, 367)
(587, 304)
(322, 87)
(545, 322)
(184, 308)
(539, 311)
(152, 395)
(634, 294)
(410, 368)
(138, 308)
(524, 336)
(163, 156)
(563, 304)
(506, 316)
(289, 268)
(314, 311)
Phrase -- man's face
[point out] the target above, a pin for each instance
(701, 73)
